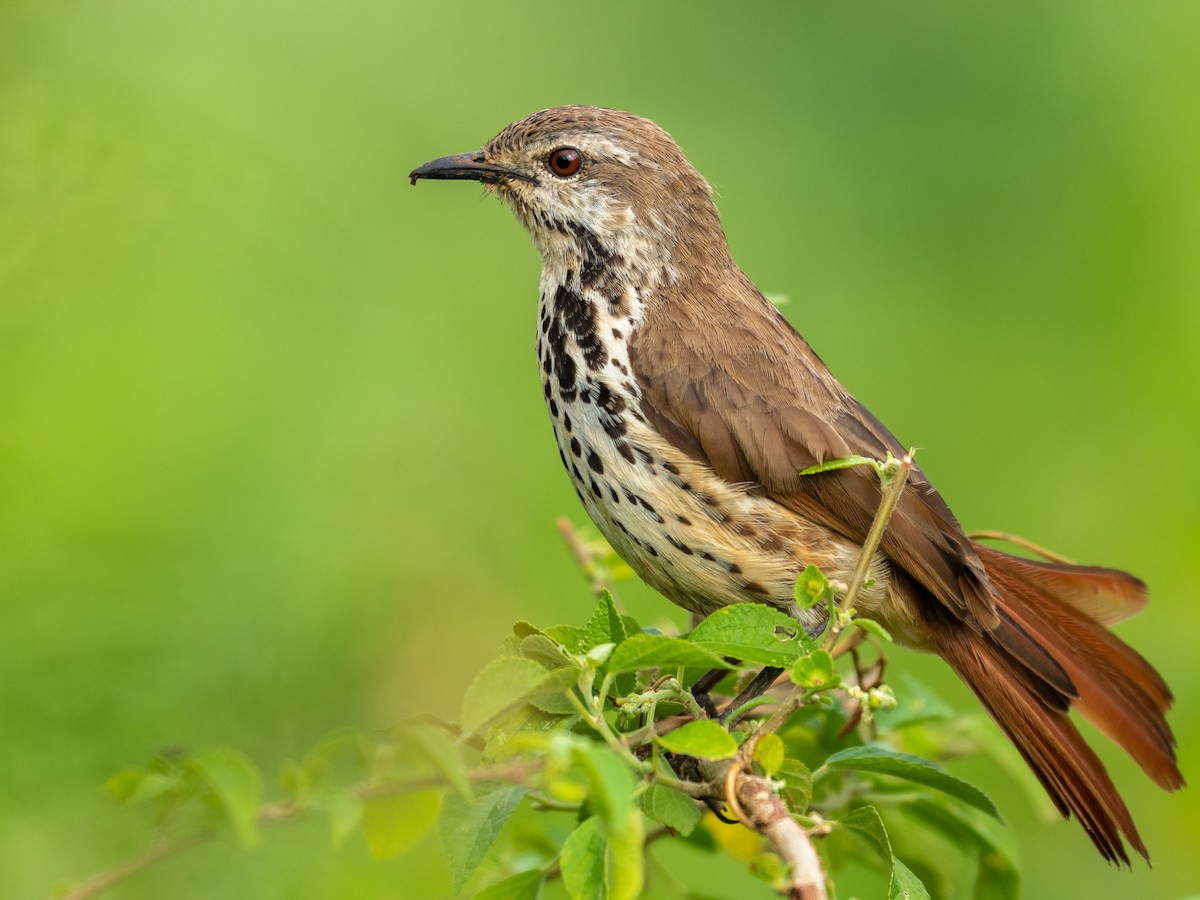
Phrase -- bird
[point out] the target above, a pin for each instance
(686, 407)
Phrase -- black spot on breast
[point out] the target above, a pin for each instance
(567, 423)
(612, 492)
(575, 448)
(613, 404)
(733, 568)
(614, 428)
(680, 546)
(579, 318)
(562, 456)
(682, 520)
(599, 265)
(564, 363)
(670, 467)
(553, 407)
(594, 462)
(654, 514)
(754, 587)
(770, 542)
(625, 451)
(596, 489)
(575, 471)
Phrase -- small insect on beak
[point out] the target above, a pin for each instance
(466, 167)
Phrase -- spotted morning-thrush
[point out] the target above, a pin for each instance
(686, 407)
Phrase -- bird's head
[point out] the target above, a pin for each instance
(582, 176)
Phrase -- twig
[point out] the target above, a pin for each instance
(1020, 542)
(97, 884)
(892, 489)
(767, 814)
(273, 814)
(583, 554)
(891, 496)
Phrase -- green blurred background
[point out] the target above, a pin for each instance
(271, 433)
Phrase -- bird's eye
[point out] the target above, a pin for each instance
(564, 162)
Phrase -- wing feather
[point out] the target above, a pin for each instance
(735, 386)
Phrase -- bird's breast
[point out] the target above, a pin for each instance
(700, 541)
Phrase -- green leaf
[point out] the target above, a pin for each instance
(797, 785)
(812, 588)
(870, 626)
(644, 650)
(671, 807)
(753, 632)
(234, 786)
(769, 751)
(815, 671)
(604, 862)
(866, 823)
(522, 886)
(506, 683)
(610, 782)
(906, 885)
(997, 877)
(341, 757)
(523, 629)
(438, 749)
(132, 786)
(469, 829)
(294, 781)
(544, 650)
(344, 809)
(582, 861)
(624, 858)
(392, 824)
(704, 739)
(912, 768)
(571, 637)
(631, 626)
(605, 625)
(843, 462)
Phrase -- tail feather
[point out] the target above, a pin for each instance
(1051, 652)
(1069, 770)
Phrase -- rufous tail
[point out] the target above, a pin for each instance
(1052, 653)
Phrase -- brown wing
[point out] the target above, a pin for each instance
(728, 381)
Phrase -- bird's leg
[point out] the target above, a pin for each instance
(706, 683)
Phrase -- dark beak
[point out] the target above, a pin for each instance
(466, 167)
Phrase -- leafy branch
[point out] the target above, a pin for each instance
(595, 727)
